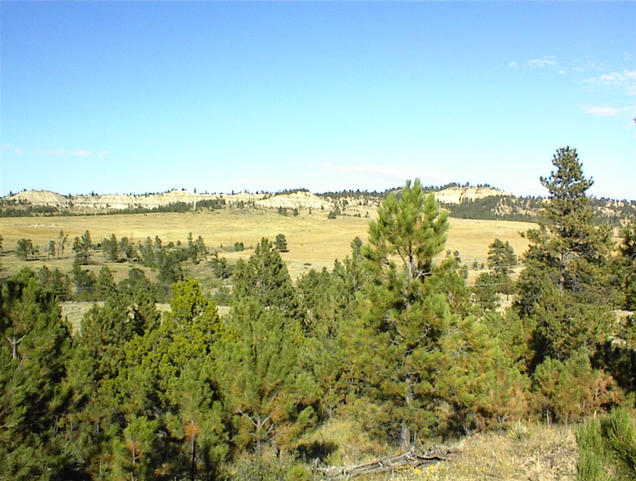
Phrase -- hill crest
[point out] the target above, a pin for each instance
(299, 199)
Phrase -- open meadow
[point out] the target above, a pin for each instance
(313, 240)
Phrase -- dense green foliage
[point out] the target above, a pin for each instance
(391, 337)
(33, 355)
(607, 448)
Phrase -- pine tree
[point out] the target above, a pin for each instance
(281, 243)
(607, 446)
(165, 376)
(110, 247)
(189, 331)
(626, 267)
(413, 320)
(51, 249)
(259, 368)
(84, 281)
(62, 239)
(501, 261)
(265, 277)
(25, 249)
(81, 247)
(98, 359)
(197, 419)
(565, 285)
(33, 350)
(105, 283)
(135, 450)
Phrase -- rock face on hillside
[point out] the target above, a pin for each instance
(130, 201)
(456, 195)
(294, 200)
(44, 198)
(291, 200)
(114, 202)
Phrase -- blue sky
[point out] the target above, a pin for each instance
(144, 96)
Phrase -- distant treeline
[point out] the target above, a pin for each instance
(22, 209)
(528, 209)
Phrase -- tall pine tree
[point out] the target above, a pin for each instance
(565, 285)
(416, 356)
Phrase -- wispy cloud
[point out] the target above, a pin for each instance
(11, 149)
(74, 153)
(548, 61)
(625, 79)
(605, 110)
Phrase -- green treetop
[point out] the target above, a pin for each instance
(265, 277)
(565, 286)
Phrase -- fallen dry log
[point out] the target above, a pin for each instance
(391, 463)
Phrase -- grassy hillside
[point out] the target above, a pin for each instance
(313, 240)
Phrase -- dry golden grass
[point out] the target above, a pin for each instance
(523, 452)
(313, 240)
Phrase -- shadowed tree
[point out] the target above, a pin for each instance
(34, 346)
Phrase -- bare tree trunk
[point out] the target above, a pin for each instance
(405, 432)
(193, 465)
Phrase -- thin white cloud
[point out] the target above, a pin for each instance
(535, 63)
(611, 78)
(625, 79)
(604, 110)
(12, 149)
(549, 61)
(81, 153)
(74, 153)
